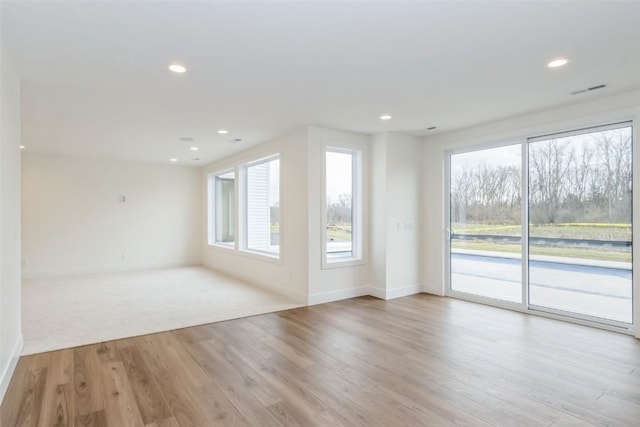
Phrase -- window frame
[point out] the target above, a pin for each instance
(523, 137)
(243, 235)
(212, 211)
(357, 211)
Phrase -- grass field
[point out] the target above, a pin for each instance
(588, 231)
(591, 231)
(339, 232)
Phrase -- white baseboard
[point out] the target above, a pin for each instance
(322, 297)
(280, 290)
(434, 289)
(403, 291)
(377, 292)
(8, 370)
(373, 291)
(106, 270)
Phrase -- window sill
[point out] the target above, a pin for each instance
(262, 256)
(342, 263)
(222, 246)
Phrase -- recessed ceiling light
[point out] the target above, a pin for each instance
(186, 139)
(177, 68)
(173, 160)
(559, 62)
(22, 147)
(193, 148)
(385, 117)
(223, 131)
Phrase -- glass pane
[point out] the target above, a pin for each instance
(225, 208)
(339, 187)
(485, 219)
(263, 206)
(580, 224)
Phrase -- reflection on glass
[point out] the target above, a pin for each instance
(263, 206)
(224, 212)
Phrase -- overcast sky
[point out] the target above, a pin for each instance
(339, 174)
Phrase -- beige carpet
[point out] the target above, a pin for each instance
(64, 312)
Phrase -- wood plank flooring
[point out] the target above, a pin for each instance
(414, 361)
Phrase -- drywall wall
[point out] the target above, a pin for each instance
(10, 289)
(287, 275)
(392, 240)
(397, 227)
(378, 228)
(94, 215)
(404, 231)
(606, 110)
(345, 281)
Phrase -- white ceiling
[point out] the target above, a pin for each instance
(96, 81)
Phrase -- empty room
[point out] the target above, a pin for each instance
(296, 213)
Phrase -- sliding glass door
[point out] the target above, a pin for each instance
(580, 223)
(485, 229)
(576, 255)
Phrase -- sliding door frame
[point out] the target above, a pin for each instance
(524, 305)
(447, 233)
(626, 327)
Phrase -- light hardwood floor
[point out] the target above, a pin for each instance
(414, 361)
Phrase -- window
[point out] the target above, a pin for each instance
(224, 208)
(342, 222)
(262, 206)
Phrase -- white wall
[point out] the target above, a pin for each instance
(378, 228)
(397, 225)
(392, 241)
(607, 110)
(345, 281)
(73, 221)
(10, 290)
(289, 274)
(403, 211)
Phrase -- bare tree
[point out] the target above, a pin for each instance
(488, 194)
(548, 173)
(339, 210)
(614, 150)
(585, 178)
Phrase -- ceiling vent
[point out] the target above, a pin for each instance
(589, 89)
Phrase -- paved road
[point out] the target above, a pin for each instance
(596, 291)
(611, 282)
